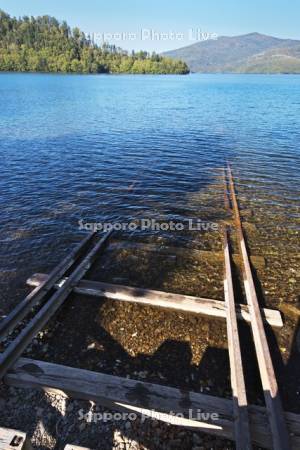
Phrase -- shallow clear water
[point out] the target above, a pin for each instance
(71, 146)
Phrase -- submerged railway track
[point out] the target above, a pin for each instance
(247, 425)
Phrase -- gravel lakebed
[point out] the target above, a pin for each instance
(164, 347)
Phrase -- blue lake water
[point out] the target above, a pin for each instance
(72, 145)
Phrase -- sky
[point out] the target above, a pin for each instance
(159, 25)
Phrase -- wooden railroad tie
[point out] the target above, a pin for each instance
(14, 440)
(186, 303)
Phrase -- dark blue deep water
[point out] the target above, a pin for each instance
(71, 146)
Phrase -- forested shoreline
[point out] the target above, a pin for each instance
(43, 44)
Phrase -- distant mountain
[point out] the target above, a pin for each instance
(249, 53)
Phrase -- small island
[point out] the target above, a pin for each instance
(43, 44)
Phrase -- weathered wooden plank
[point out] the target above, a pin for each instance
(226, 196)
(259, 262)
(75, 447)
(18, 345)
(240, 404)
(14, 440)
(24, 307)
(269, 383)
(172, 405)
(197, 305)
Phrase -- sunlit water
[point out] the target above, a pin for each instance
(104, 148)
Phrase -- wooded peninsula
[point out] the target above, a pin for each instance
(43, 44)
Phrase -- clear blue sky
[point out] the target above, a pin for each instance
(224, 17)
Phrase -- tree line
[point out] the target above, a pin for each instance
(43, 44)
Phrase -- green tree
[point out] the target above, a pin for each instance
(44, 44)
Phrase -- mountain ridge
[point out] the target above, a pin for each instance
(249, 53)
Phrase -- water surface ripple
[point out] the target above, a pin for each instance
(71, 145)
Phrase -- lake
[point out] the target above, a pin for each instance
(108, 148)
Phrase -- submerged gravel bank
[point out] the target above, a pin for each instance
(163, 347)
